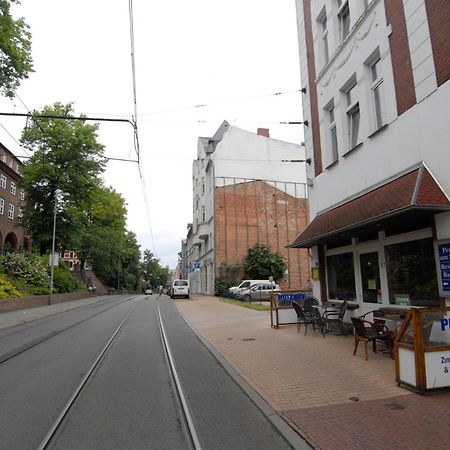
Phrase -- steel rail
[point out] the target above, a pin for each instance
(49, 436)
(28, 346)
(179, 390)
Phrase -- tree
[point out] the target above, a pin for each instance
(15, 50)
(261, 263)
(154, 274)
(65, 167)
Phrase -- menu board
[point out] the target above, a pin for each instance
(444, 264)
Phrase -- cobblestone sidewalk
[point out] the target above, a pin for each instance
(333, 399)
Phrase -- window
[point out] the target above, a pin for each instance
(333, 133)
(377, 93)
(203, 214)
(341, 276)
(203, 185)
(3, 181)
(13, 188)
(352, 116)
(11, 211)
(323, 32)
(19, 213)
(411, 271)
(22, 194)
(343, 19)
(2, 206)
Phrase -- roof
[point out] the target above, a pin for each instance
(414, 192)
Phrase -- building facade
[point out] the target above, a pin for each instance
(12, 199)
(243, 194)
(377, 99)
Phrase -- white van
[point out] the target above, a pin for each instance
(180, 288)
(244, 284)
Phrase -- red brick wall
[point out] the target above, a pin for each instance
(401, 56)
(438, 12)
(312, 89)
(247, 213)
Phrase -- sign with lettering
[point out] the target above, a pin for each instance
(444, 264)
(287, 299)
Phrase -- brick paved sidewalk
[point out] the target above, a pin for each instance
(313, 381)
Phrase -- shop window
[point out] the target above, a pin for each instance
(341, 276)
(411, 271)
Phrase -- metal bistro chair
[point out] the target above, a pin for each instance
(367, 331)
(306, 318)
(334, 318)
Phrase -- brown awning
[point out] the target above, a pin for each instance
(411, 195)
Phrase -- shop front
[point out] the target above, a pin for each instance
(380, 248)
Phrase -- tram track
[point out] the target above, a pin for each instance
(183, 406)
(179, 397)
(64, 412)
(41, 339)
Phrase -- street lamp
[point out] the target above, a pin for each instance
(52, 256)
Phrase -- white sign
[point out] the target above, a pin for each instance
(55, 260)
(437, 367)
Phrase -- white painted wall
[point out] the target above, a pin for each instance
(245, 155)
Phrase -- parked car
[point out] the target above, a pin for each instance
(180, 288)
(258, 292)
(148, 291)
(244, 284)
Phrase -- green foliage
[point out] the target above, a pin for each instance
(261, 263)
(153, 273)
(228, 276)
(66, 165)
(15, 50)
(65, 281)
(7, 289)
(27, 270)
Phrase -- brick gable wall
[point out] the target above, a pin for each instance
(247, 213)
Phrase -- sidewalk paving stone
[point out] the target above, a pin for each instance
(312, 381)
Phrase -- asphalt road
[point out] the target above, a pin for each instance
(129, 402)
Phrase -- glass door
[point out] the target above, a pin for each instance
(370, 277)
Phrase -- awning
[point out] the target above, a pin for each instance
(411, 196)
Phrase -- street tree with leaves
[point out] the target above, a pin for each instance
(15, 50)
(153, 273)
(261, 263)
(65, 167)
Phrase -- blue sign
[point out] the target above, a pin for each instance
(289, 298)
(444, 264)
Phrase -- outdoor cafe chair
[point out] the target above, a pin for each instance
(367, 331)
(334, 318)
(306, 318)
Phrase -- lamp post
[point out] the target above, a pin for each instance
(52, 256)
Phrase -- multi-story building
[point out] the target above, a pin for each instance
(243, 194)
(12, 199)
(377, 98)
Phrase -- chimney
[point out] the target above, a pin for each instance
(263, 132)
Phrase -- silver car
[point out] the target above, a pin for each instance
(258, 292)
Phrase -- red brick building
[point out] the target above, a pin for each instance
(12, 236)
(258, 212)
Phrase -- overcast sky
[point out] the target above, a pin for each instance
(230, 56)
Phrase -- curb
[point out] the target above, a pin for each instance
(288, 433)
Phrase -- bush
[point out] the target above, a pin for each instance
(65, 281)
(7, 289)
(28, 271)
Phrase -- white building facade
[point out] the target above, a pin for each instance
(234, 157)
(377, 100)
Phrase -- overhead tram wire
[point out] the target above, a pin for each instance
(205, 105)
(136, 132)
